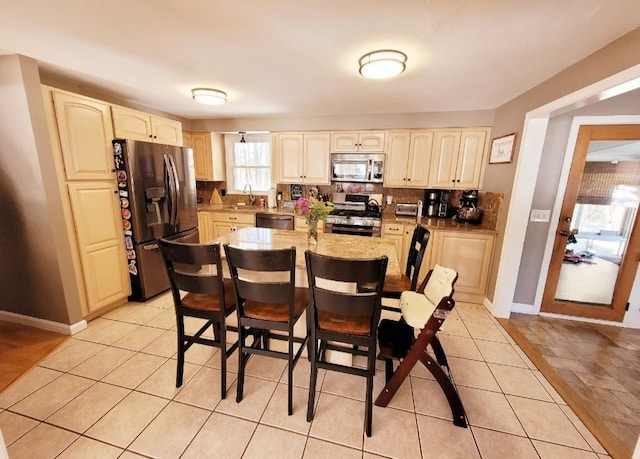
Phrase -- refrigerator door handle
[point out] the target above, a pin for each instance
(176, 186)
(171, 182)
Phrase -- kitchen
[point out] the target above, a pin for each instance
(32, 160)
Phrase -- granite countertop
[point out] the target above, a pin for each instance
(447, 224)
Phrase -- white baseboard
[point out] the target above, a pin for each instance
(524, 308)
(43, 324)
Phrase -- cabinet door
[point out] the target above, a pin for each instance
(290, 149)
(371, 142)
(186, 139)
(85, 131)
(419, 159)
(444, 159)
(470, 159)
(131, 124)
(166, 131)
(98, 224)
(205, 227)
(344, 142)
(469, 254)
(316, 158)
(395, 232)
(201, 144)
(395, 174)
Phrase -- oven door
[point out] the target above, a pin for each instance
(353, 230)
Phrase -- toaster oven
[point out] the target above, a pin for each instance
(407, 209)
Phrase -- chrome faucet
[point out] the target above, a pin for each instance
(252, 198)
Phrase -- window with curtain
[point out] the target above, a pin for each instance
(248, 162)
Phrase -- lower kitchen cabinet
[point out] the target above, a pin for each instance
(205, 226)
(402, 235)
(227, 222)
(470, 255)
(96, 214)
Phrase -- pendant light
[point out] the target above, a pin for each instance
(242, 133)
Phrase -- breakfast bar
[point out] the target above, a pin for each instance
(336, 245)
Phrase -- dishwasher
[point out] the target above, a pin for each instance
(277, 221)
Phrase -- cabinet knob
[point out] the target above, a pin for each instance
(150, 136)
(113, 170)
(458, 180)
(115, 191)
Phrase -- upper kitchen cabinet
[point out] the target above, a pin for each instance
(303, 158)
(208, 156)
(363, 141)
(85, 133)
(458, 158)
(132, 124)
(408, 157)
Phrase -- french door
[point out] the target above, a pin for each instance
(597, 244)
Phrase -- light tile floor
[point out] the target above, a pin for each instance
(110, 392)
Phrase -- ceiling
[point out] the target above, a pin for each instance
(299, 58)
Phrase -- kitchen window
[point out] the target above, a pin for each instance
(248, 162)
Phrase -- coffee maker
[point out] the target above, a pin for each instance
(468, 211)
(436, 203)
(431, 203)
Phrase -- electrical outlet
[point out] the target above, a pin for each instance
(540, 215)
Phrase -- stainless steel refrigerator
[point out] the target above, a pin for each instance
(157, 190)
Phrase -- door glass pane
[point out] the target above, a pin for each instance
(604, 214)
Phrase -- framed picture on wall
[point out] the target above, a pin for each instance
(502, 149)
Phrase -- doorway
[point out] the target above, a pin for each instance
(597, 241)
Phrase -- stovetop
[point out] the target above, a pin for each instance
(355, 213)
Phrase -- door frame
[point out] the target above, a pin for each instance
(577, 122)
(625, 278)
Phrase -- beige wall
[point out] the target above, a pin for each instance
(615, 57)
(352, 122)
(32, 275)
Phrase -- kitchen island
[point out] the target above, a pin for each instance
(336, 245)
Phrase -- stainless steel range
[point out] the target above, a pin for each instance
(356, 214)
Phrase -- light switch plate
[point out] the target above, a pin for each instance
(540, 215)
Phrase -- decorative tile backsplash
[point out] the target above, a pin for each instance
(490, 203)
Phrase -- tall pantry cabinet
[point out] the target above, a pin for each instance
(81, 132)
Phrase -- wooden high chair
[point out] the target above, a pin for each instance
(426, 310)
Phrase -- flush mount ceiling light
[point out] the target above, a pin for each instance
(209, 96)
(385, 63)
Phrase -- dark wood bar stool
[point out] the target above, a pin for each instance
(268, 306)
(197, 270)
(426, 310)
(394, 287)
(343, 316)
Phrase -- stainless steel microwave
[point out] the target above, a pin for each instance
(357, 167)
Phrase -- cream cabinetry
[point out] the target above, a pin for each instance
(136, 125)
(81, 133)
(408, 159)
(402, 235)
(96, 214)
(85, 133)
(206, 230)
(226, 222)
(470, 254)
(208, 155)
(303, 158)
(358, 141)
(458, 158)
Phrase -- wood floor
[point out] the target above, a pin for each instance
(21, 348)
(596, 369)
